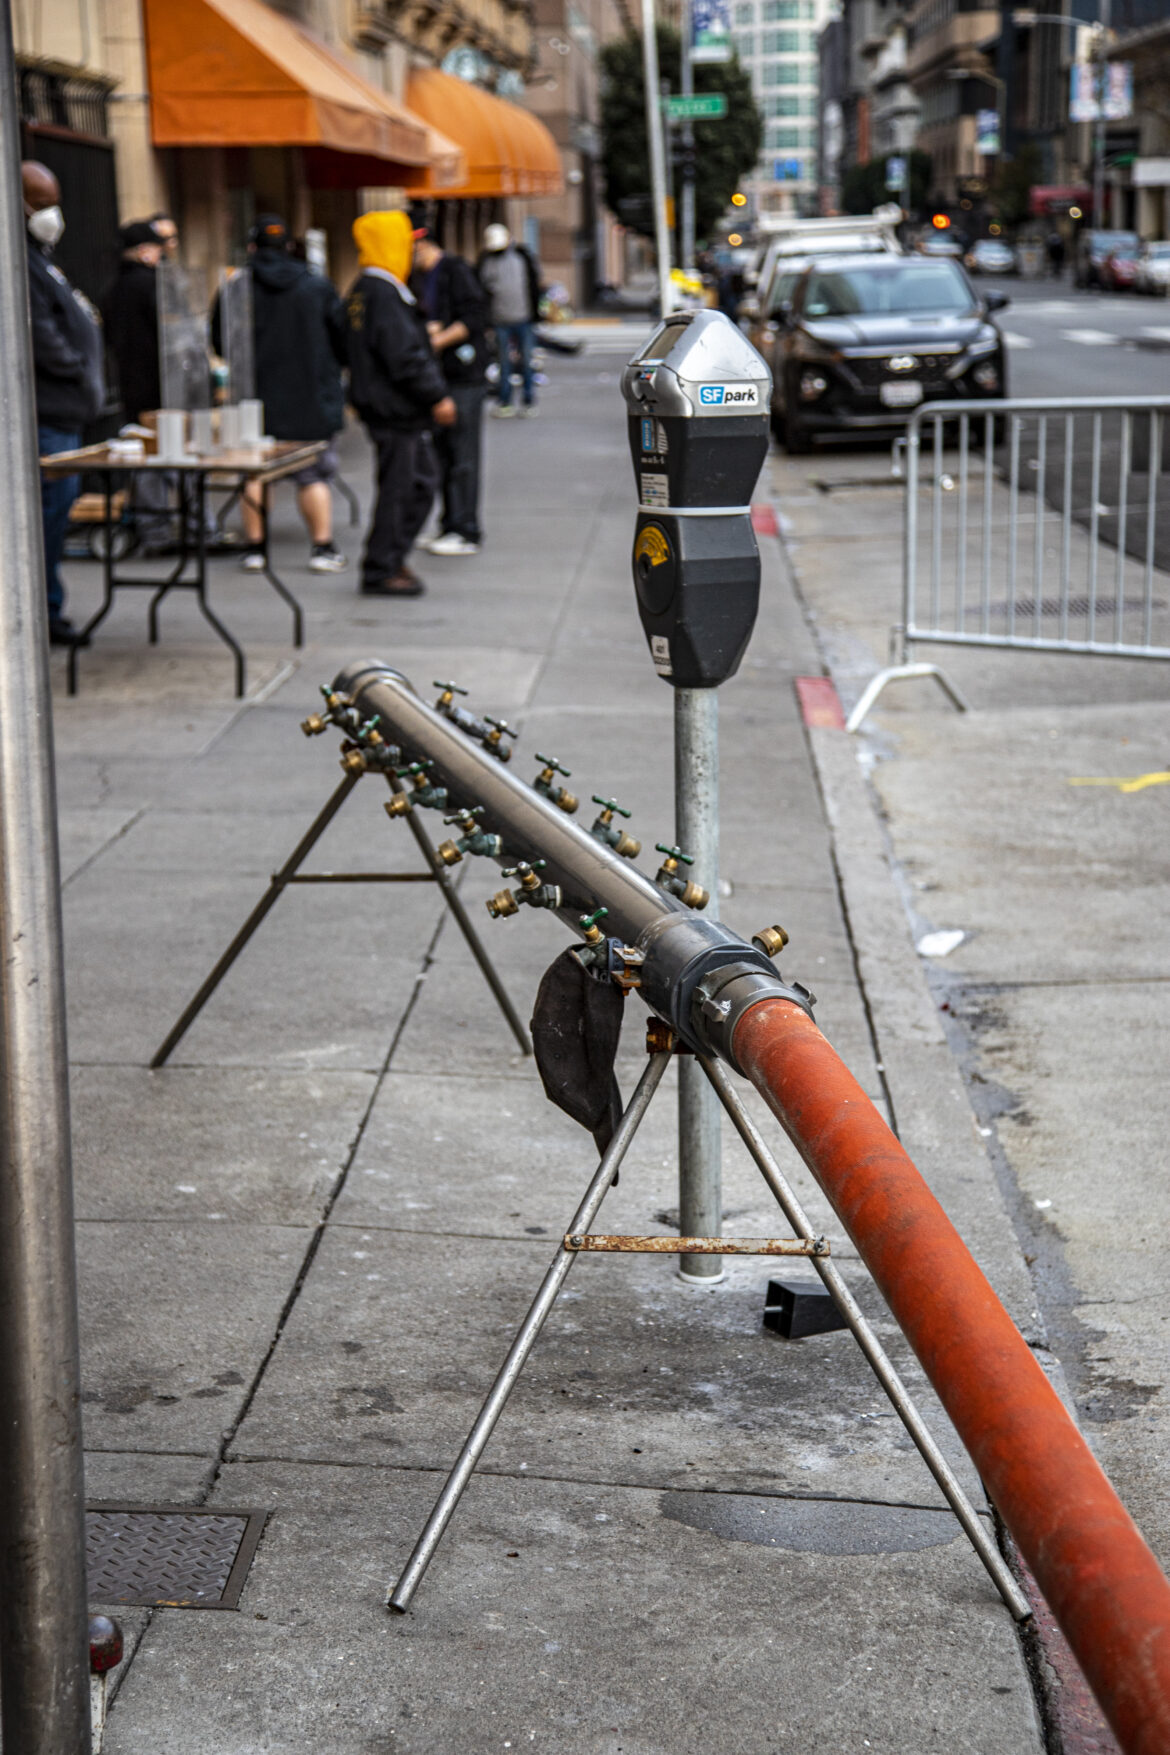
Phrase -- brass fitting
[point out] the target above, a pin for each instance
(771, 940)
(627, 846)
(493, 741)
(668, 878)
(448, 853)
(659, 1036)
(693, 895)
(354, 762)
(314, 725)
(529, 879)
(504, 903)
(398, 806)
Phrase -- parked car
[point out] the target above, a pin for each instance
(1153, 270)
(1119, 270)
(772, 313)
(798, 240)
(865, 340)
(991, 256)
(935, 244)
(1092, 250)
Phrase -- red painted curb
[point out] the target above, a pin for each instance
(764, 520)
(819, 703)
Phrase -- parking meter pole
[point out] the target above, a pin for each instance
(687, 142)
(44, 1650)
(696, 828)
(654, 127)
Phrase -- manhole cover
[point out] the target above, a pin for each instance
(1077, 606)
(173, 1556)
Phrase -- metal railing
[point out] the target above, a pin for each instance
(1033, 524)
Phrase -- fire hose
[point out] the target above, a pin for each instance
(725, 1000)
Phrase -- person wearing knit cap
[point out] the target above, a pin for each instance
(129, 308)
(399, 391)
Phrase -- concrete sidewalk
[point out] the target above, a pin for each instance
(687, 1533)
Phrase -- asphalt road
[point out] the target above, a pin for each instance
(1067, 343)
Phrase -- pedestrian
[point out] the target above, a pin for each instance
(1055, 247)
(455, 306)
(299, 349)
(129, 308)
(512, 281)
(168, 231)
(399, 391)
(69, 378)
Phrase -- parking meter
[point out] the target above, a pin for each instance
(698, 398)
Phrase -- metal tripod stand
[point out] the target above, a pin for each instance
(290, 873)
(577, 1238)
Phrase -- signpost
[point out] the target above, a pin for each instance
(710, 106)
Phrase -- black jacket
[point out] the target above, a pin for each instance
(394, 377)
(67, 347)
(298, 323)
(457, 296)
(129, 309)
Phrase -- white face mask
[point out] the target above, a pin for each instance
(46, 225)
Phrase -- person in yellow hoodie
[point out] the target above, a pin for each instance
(398, 389)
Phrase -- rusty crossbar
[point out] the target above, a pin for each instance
(599, 1244)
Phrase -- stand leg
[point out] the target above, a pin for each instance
(276, 885)
(462, 920)
(979, 1537)
(493, 1407)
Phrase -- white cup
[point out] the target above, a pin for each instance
(251, 422)
(201, 431)
(229, 426)
(172, 434)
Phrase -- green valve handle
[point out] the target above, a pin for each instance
(370, 725)
(524, 865)
(551, 762)
(451, 688)
(462, 816)
(674, 853)
(611, 804)
(500, 725)
(588, 920)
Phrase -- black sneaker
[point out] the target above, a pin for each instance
(63, 633)
(326, 559)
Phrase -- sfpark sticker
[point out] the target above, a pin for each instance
(729, 396)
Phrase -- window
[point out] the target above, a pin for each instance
(745, 12)
(774, 9)
(783, 42)
(785, 136)
(896, 289)
(782, 73)
(745, 44)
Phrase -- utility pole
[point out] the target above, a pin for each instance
(657, 153)
(1099, 219)
(687, 142)
(44, 1666)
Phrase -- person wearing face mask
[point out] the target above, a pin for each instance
(67, 365)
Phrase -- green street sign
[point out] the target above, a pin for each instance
(705, 106)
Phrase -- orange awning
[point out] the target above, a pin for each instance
(235, 73)
(508, 151)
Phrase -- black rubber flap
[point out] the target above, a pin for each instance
(576, 1027)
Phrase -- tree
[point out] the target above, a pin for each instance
(724, 149)
(863, 187)
(1011, 186)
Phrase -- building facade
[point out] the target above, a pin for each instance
(777, 42)
(215, 110)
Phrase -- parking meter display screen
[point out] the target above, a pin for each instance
(661, 344)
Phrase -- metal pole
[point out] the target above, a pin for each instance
(687, 88)
(1099, 219)
(657, 153)
(696, 831)
(980, 1537)
(44, 1660)
(493, 1407)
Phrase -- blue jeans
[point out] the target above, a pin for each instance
(518, 335)
(57, 496)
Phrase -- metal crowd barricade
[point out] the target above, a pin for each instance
(1032, 524)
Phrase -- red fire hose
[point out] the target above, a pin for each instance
(1101, 1581)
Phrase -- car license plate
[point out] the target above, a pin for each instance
(900, 395)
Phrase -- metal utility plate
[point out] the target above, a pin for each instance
(170, 1556)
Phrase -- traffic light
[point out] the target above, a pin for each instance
(940, 221)
(738, 200)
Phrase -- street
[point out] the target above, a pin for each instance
(1067, 343)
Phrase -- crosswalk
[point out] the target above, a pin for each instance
(1088, 337)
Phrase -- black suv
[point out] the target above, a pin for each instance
(865, 340)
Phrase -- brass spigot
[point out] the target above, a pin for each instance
(532, 891)
(433, 797)
(335, 704)
(771, 940)
(473, 839)
(354, 761)
(315, 724)
(670, 879)
(493, 741)
(591, 932)
(558, 795)
(605, 829)
(446, 699)
(398, 805)
(502, 904)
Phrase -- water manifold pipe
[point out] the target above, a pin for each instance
(725, 998)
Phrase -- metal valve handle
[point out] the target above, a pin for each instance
(674, 853)
(500, 726)
(611, 804)
(588, 920)
(463, 816)
(551, 762)
(524, 867)
(450, 688)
